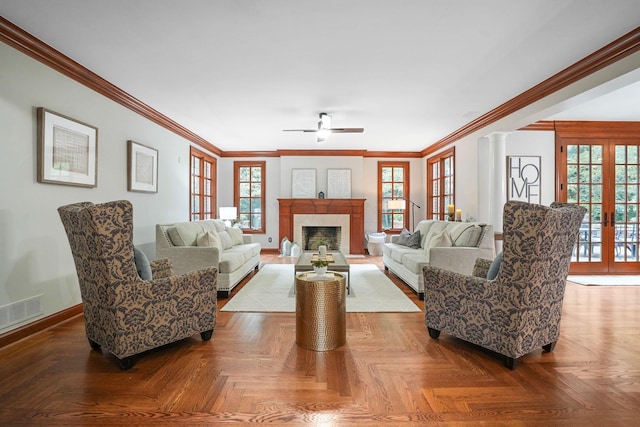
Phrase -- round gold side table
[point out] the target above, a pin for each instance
(320, 311)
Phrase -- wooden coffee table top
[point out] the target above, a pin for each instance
(336, 259)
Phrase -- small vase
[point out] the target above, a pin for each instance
(322, 249)
(320, 271)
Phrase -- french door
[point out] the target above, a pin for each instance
(601, 174)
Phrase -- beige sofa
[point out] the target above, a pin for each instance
(454, 246)
(209, 243)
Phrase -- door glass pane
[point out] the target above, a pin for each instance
(626, 204)
(584, 186)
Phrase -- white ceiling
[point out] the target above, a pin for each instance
(410, 72)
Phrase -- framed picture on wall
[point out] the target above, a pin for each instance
(142, 168)
(67, 150)
(523, 178)
(303, 183)
(339, 183)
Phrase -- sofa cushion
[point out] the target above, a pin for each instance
(209, 238)
(142, 264)
(208, 225)
(174, 236)
(435, 228)
(219, 224)
(225, 239)
(230, 261)
(466, 234)
(495, 267)
(411, 241)
(438, 239)
(188, 232)
(397, 251)
(236, 235)
(414, 262)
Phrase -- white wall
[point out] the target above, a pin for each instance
(34, 255)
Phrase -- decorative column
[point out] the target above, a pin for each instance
(498, 191)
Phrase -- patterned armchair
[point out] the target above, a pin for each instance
(124, 314)
(518, 311)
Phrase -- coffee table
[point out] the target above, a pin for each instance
(339, 264)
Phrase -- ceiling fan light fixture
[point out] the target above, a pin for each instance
(325, 122)
(323, 134)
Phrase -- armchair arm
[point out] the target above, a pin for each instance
(190, 258)
(161, 268)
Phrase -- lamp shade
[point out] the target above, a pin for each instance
(229, 212)
(396, 204)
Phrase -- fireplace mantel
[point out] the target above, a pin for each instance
(352, 207)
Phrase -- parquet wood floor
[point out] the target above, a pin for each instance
(389, 373)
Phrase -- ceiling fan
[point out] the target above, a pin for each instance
(324, 128)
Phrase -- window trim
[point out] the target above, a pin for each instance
(195, 153)
(406, 191)
(440, 158)
(236, 191)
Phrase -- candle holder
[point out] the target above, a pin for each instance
(451, 217)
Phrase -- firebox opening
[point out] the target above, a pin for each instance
(313, 236)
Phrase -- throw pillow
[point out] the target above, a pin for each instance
(225, 238)
(440, 240)
(495, 267)
(209, 238)
(412, 240)
(236, 235)
(143, 267)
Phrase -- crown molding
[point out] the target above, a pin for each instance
(323, 153)
(611, 53)
(541, 125)
(19, 39)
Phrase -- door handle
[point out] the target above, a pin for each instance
(605, 220)
(613, 219)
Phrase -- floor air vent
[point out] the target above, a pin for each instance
(20, 311)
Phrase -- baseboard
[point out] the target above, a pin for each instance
(39, 325)
(269, 251)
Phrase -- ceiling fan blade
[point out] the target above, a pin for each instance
(346, 130)
(300, 130)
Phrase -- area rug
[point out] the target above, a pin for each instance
(271, 290)
(605, 280)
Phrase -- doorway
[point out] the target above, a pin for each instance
(597, 167)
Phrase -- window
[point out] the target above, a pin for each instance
(440, 184)
(203, 188)
(249, 195)
(393, 183)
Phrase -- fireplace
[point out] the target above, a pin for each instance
(313, 236)
(347, 214)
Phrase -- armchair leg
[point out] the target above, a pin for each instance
(510, 362)
(549, 347)
(433, 333)
(126, 363)
(206, 335)
(94, 345)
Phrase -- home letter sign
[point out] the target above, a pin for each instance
(523, 178)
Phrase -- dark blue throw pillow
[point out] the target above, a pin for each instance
(495, 267)
(142, 264)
